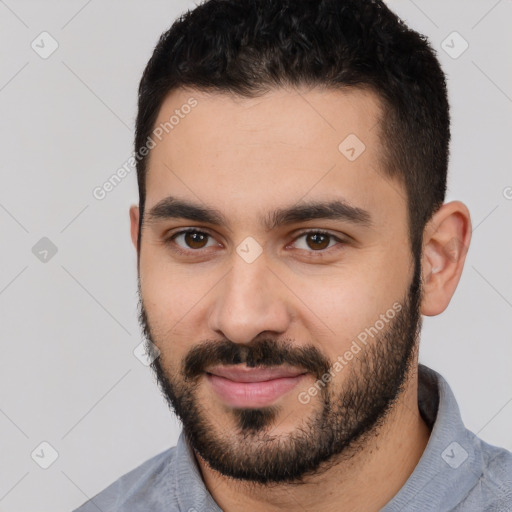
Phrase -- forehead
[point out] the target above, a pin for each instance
(303, 119)
(236, 154)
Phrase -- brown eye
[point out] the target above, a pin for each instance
(191, 240)
(317, 241)
(195, 239)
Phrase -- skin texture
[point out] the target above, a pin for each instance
(248, 157)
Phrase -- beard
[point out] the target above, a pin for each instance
(340, 421)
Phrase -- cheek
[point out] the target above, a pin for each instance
(166, 287)
(347, 303)
(342, 308)
(174, 297)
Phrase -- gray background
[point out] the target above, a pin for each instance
(68, 375)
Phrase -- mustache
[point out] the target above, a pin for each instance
(265, 353)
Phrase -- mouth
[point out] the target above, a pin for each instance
(240, 386)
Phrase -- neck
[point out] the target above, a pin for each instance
(364, 481)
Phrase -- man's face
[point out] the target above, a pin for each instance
(254, 292)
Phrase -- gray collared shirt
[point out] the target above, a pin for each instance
(457, 471)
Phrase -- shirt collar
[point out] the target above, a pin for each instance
(451, 461)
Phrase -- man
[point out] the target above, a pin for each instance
(291, 232)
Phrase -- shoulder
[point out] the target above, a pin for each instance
(493, 490)
(142, 487)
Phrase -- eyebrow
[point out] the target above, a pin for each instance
(175, 208)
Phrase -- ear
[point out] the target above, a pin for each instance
(446, 240)
(134, 225)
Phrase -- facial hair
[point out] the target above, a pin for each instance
(339, 427)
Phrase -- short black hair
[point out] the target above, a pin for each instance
(249, 47)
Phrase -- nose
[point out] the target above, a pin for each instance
(250, 300)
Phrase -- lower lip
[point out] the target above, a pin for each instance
(252, 394)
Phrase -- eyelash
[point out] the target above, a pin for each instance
(186, 252)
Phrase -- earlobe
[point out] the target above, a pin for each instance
(445, 243)
(134, 225)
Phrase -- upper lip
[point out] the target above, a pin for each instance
(258, 374)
